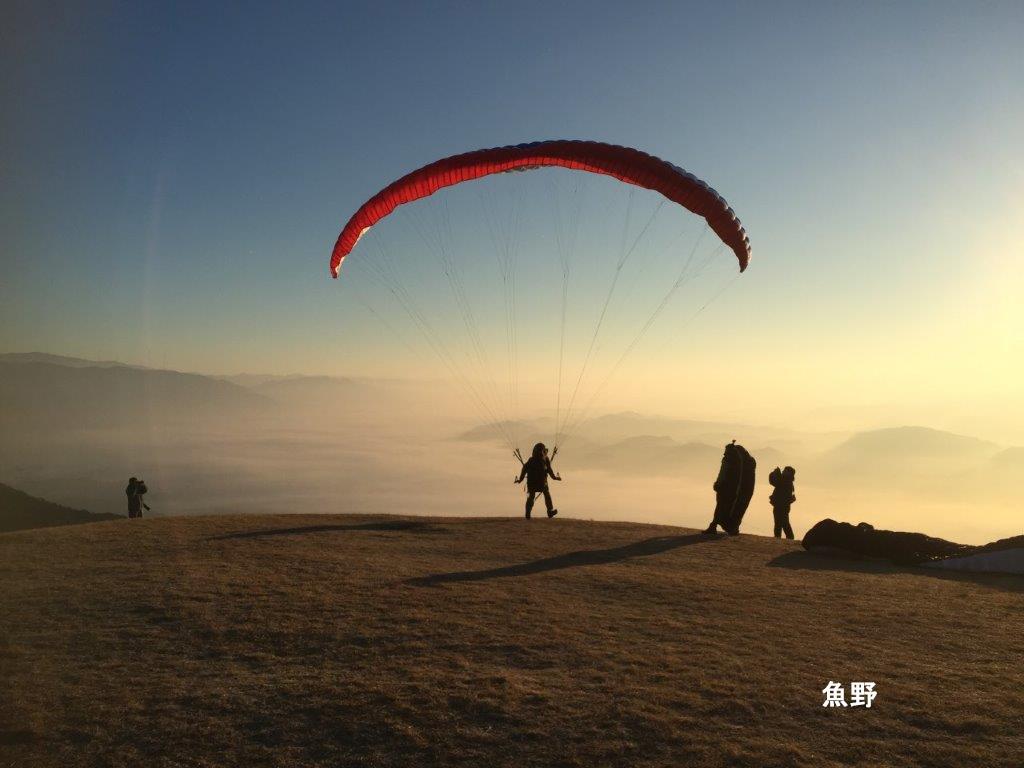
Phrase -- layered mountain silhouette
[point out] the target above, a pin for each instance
(658, 455)
(72, 430)
(907, 456)
(19, 511)
(68, 362)
(47, 396)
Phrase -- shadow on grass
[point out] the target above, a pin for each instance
(643, 548)
(811, 561)
(389, 525)
(18, 738)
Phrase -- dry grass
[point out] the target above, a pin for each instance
(353, 641)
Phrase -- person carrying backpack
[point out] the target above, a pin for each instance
(782, 498)
(135, 491)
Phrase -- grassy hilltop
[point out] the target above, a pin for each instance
(356, 641)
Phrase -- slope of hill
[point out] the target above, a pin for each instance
(649, 455)
(314, 391)
(67, 362)
(45, 395)
(492, 433)
(253, 380)
(884, 445)
(659, 455)
(887, 455)
(619, 426)
(19, 511)
(352, 641)
(1010, 459)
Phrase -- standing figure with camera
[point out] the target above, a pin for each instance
(135, 491)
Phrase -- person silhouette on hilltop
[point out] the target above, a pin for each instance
(135, 491)
(782, 498)
(537, 470)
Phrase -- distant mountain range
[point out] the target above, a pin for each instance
(68, 362)
(618, 428)
(45, 395)
(19, 511)
(39, 389)
(896, 443)
(48, 401)
(909, 458)
(1011, 460)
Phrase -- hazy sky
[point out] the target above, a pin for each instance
(174, 176)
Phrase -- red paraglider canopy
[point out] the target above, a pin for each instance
(629, 165)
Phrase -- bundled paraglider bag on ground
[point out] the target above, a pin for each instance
(745, 491)
(902, 548)
(734, 487)
(897, 546)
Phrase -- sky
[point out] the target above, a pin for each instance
(175, 175)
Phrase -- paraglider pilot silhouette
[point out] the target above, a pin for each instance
(537, 470)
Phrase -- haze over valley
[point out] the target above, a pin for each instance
(74, 430)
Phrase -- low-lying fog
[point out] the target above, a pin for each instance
(74, 434)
